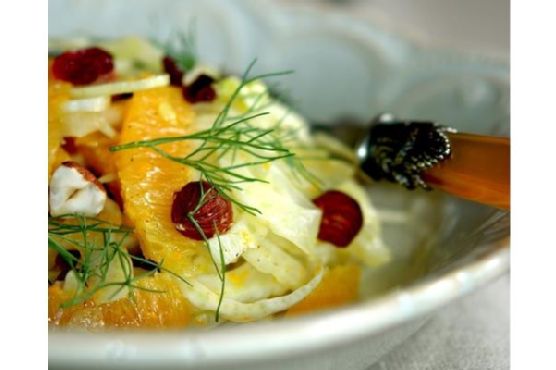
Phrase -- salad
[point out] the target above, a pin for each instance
(183, 196)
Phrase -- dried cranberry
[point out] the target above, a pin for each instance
(68, 144)
(82, 67)
(175, 72)
(341, 219)
(200, 90)
(215, 213)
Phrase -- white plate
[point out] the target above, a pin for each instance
(342, 67)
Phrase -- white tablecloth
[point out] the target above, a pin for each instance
(470, 334)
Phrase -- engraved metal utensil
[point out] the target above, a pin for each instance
(418, 154)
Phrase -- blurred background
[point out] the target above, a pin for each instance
(478, 26)
(444, 60)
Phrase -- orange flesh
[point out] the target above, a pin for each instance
(149, 310)
(148, 184)
(340, 286)
(148, 180)
(479, 170)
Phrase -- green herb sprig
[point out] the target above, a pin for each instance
(230, 134)
(181, 48)
(99, 244)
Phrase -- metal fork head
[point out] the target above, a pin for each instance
(393, 149)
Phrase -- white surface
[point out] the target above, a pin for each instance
(345, 64)
(476, 26)
(472, 333)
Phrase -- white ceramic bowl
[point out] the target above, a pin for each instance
(444, 249)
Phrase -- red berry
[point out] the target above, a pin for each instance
(341, 219)
(214, 215)
(68, 144)
(175, 72)
(82, 67)
(200, 90)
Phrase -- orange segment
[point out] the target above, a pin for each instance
(148, 181)
(149, 310)
(339, 286)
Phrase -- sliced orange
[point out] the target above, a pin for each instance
(148, 180)
(339, 286)
(168, 309)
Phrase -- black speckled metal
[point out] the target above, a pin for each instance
(399, 151)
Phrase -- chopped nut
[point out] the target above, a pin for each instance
(73, 189)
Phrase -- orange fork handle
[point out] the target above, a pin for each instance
(479, 170)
